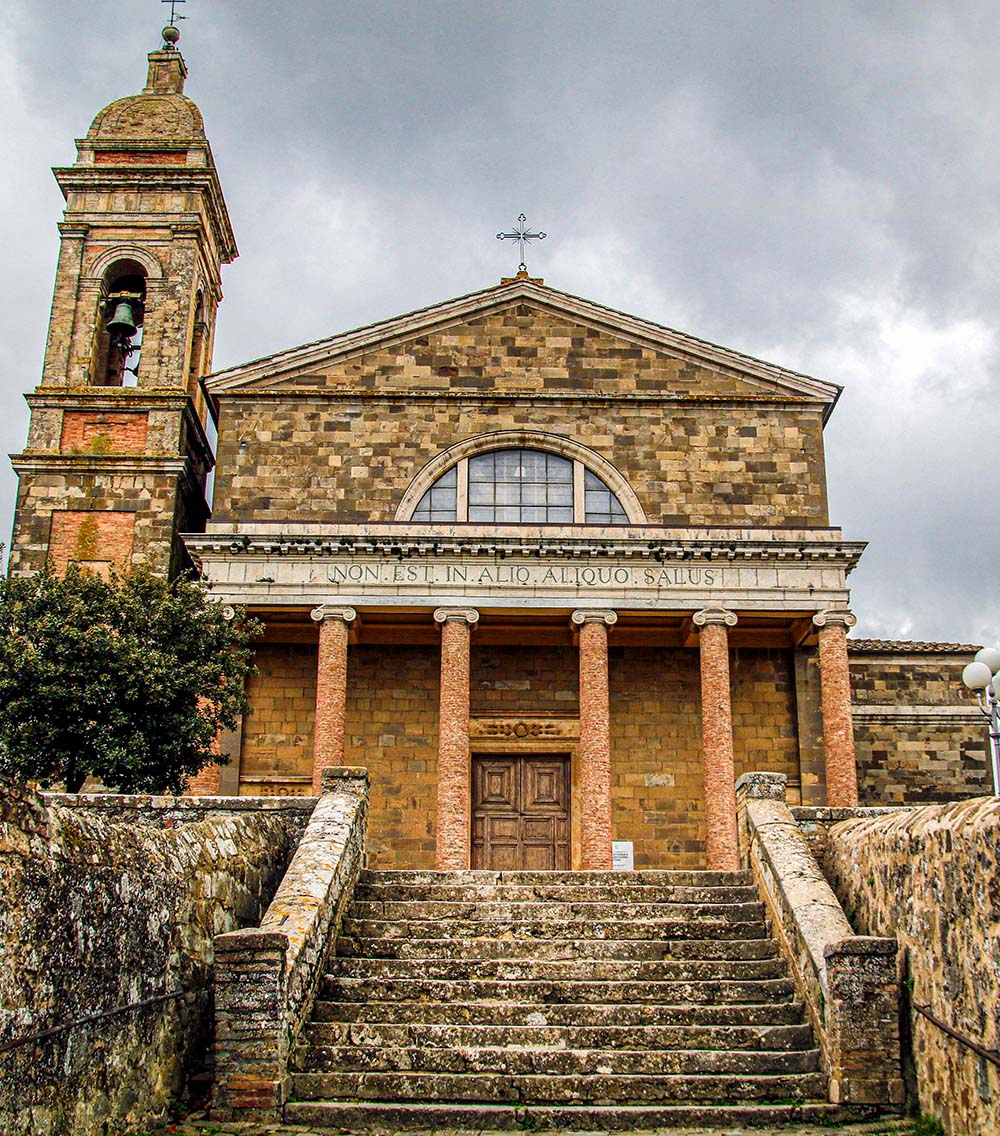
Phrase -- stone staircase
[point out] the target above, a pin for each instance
(585, 1000)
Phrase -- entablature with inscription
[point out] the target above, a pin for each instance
(638, 567)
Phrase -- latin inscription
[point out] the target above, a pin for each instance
(528, 575)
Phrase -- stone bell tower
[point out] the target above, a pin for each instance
(118, 455)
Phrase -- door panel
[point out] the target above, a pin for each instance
(545, 785)
(520, 812)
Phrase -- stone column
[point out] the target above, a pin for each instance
(454, 774)
(838, 725)
(331, 689)
(722, 851)
(595, 740)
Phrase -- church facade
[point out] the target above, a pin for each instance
(554, 574)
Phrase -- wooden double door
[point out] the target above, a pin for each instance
(520, 812)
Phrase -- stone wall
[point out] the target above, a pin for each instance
(278, 733)
(930, 877)
(521, 367)
(112, 903)
(391, 730)
(918, 735)
(656, 770)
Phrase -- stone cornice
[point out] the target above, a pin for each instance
(427, 320)
(434, 394)
(643, 544)
(97, 463)
(106, 398)
(147, 179)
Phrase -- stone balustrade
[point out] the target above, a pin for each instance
(266, 977)
(848, 982)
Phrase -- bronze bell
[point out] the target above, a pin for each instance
(122, 324)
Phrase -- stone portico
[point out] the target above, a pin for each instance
(696, 600)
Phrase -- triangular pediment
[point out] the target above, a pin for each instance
(521, 337)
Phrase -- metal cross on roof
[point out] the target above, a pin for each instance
(174, 16)
(522, 236)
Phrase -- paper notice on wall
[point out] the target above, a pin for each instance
(621, 856)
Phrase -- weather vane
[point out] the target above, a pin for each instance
(174, 15)
(522, 236)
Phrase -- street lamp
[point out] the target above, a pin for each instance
(983, 676)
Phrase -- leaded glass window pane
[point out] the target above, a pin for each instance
(601, 506)
(440, 502)
(519, 487)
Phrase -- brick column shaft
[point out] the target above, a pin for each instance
(595, 741)
(722, 851)
(331, 690)
(454, 773)
(838, 725)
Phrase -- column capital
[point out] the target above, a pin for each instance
(834, 616)
(333, 611)
(594, 615)
(714, 617)
(467, 615)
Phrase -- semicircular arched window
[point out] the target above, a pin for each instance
(520, 487)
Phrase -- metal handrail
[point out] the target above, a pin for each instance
(991, 1055)
(30, 1038)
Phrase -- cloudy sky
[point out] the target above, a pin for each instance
(813, 183)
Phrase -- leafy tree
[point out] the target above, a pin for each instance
(126, 679)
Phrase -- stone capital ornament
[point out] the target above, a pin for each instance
(714, 617)
(333, 611)
(467, 615)
(834, 616)
(594, 615)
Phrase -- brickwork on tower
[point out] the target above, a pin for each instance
(96, 540)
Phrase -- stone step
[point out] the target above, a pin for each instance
(578, 879)
(590, 1014)
(364, 1116)
(659, 929)
(542, 911)
(562, 1037)
(499, 990)
(563, 893)
(526, 1089)
(559, 1063)
(560, 970)
(543, 949)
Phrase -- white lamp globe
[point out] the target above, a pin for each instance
(977, 676)
(990, 656)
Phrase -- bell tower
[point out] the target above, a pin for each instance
(118, 452)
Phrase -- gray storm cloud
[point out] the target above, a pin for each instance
(812, 183)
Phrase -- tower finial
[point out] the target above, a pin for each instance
(172, 33)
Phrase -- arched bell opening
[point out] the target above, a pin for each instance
(197, 364)
(119, 325)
